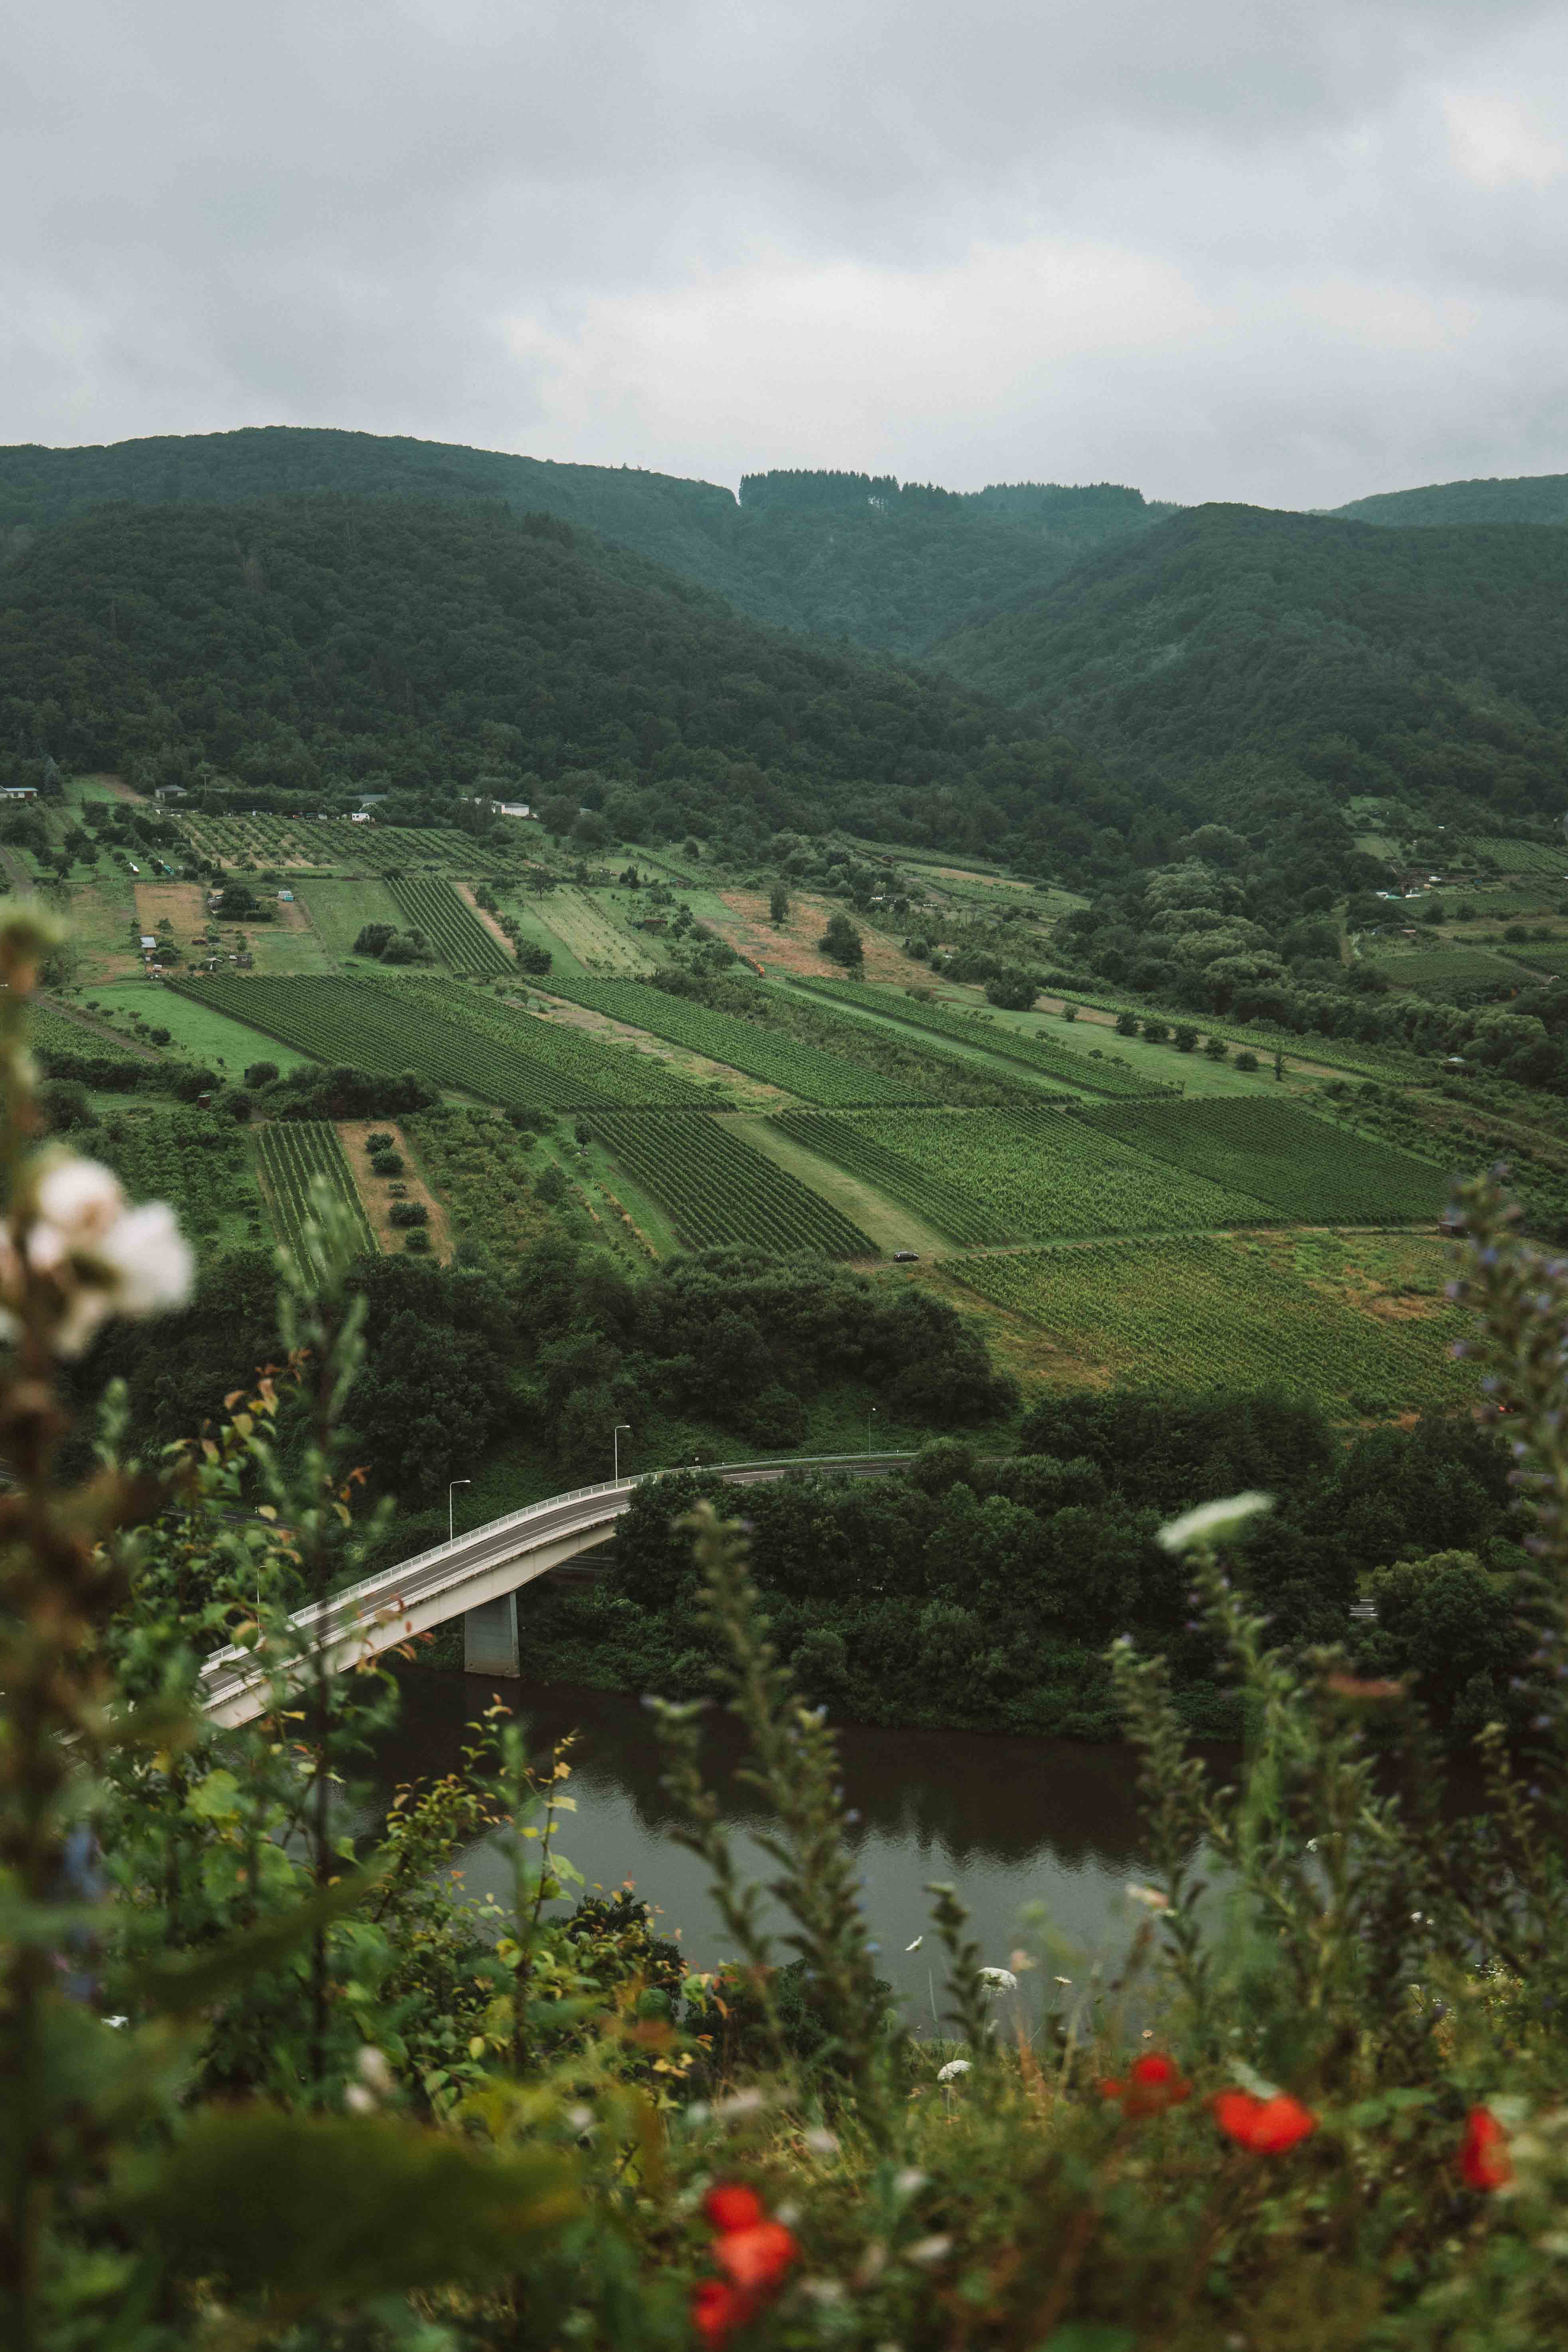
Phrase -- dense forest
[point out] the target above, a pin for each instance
(1524, 498)
(324, 644)
(802, 551)
(1370, 659)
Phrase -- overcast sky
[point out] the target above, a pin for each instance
(1282, 250)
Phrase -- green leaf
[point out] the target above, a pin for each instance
(187, 1985)
(336, 2207)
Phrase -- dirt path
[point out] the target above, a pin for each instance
(20, 879)
(466, 893)
(375, 1192)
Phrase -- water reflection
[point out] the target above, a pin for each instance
(1010, 1822)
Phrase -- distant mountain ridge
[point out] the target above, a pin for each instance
(1371, 660)
(1524, 498)
(888, 566)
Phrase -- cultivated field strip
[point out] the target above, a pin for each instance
(766, 1053)
(717, 1190)
(1300, 1166)
(445, 1035)
(1049, 1175)
(1179, 1314)
(1030, 1053)
(450, 925)
(865, 1153)
(293, 1152)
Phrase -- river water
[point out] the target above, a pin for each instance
(1014, 1824)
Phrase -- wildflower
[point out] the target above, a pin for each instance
(100, 1255)
(1154, 2083)
(1211, 1523)
(952, 2070)
(1266, 2127)
(729, 2206)
(716, 2308)
(757, 2259)
(1484, 2160)
(997, 1980)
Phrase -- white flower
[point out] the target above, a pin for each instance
(952, 2070)
(1212, 1523)
(908, 2181)
(1150, 1897)
(997, 1980)
(372, 2070)
(102, 1255)
(358, 2101)
(821, 2143)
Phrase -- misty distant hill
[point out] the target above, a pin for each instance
(840, 555)
(1527, 498)
(1373, 659)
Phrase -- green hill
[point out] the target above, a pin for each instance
(835, 554)
(1526, 498)
(1370, 659)
(320, 645)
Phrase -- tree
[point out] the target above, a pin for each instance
(843, 942)
(1011, 991)
(1127, 1024)
(778, 904)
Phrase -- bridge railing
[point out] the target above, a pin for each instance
(340, 1609)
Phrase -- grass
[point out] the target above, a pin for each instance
(881, 1209)
(598, 943)
(339, 911)
(197, 1029)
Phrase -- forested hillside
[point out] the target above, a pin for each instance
(1524, 498)
(831, 554)
(1371, 660)
(326, 644)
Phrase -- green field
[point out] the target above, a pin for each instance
(778, 1060)
(1300, 1166)
(197, 1160)
(1545, 858)
(199, 1025)
(1236, 1310)
(980, 1033)
(450, 925)
(594, 940)
(1050, 1176)
(862, 1148)
(339, 911)
(485, 1172)
(296, 1154)
(1437, 968)
(717, 1190)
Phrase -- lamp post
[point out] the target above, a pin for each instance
(621, 1427)
(870, 1417)
(455, 1484)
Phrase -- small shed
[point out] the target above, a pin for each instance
(285, 898)
(147, 941)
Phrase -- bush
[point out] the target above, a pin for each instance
(843, 942)
(409, 1212)
(417, 1240)
(1012, 992)
(379, 1143)
(262, 1073)
(1216, 1048)
(374, 938)
(1127, 1024)
(387, 1163)
(1247, 1059)
(534, 961)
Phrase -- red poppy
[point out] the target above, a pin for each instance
(1154, 2083)
(716, 2308)
(757, 2259)
(1483, 2157)
(1266, 2127)
(729, 2207)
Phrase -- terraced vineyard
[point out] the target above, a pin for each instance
(1300, 1166)
(1180, 1313)
(951, 1210)
(777, 1059)
(293, 1154)
(1030, 1053)
(1050, 1175)
(450, 925)
(458, 1040)
(716, 1190)
(1436, 968)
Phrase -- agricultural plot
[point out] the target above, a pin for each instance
(950, 1210)
(340, 910)
(1451, 968)
(450, 925)
(1050, 1176)
(1189, 1313)
(1547, 858)
(776, 1059)
(294, 1153)
(303, 841)
(1299, 1166)
(193, 1159)
(717, 1190)
(593, 937)
(443, 1033)
(51, 1031)
(1040, 1054)
(485, 1172)
(1543, 955)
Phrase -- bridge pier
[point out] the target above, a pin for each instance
(489, 1639)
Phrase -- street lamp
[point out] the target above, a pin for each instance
(455, 1483)
(870, 1417)
(616, 1442)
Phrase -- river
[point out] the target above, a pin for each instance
(1012, 1823)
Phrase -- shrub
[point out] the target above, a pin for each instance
(1216, 1048)
(1127, 1024)
(417, 1239)
(1247, 1059)
(260, 1073)
(408, 1212)
(380, 1141)
(387, 1163)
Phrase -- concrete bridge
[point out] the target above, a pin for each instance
(476, 1577)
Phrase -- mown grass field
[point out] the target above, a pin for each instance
(200, 1028)
(338, 912)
